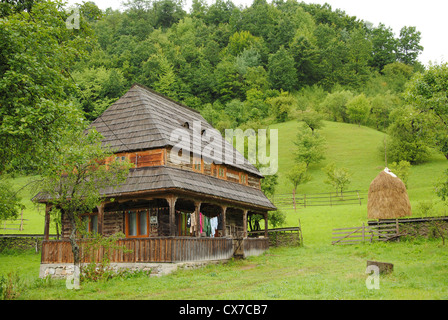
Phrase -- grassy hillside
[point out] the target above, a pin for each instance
(316, 271)
(357, 149)
(350, 146)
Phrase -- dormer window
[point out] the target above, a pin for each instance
(186, 125)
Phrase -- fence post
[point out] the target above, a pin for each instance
(397, 229)
(294, 199)
(357, 192)
(363, 228)
(304, 200)
(21, 221)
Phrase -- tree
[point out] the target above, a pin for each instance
(312, 120)
(298, 175)
(336, 104)
(281, 70)
(10, 202)
(281, 106)
(442, 187)
(409, 46)
(37, 53)
(381, 107)
(167, 12)
(339, 178)
(408, 136)
(310, 147)
(98, 89)
(384, 47)
(75, 176)
(427, 92)
(397, 74)
(358, 109)
(402, 170)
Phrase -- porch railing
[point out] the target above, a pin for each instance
(160, 249)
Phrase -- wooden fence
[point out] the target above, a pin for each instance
(291, 200)
(160, 249)
(282, 236)
(14, 224)
(379, 232)
(391, 229)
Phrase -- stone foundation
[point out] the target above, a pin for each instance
(62, 270)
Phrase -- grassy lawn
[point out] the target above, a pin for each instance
(316, 271)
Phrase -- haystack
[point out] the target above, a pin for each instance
(387, 198)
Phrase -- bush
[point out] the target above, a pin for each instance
(10, 286)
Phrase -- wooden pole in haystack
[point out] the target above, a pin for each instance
(387, 197)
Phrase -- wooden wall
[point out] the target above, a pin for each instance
(160, 157)
(230, 173)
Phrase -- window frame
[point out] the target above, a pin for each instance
(137, 223)
(243, 178)
(198, 162)
(89, 227)
(224, 172)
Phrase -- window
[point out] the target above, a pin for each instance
(221, 172)
(197, 165)
(243, 178)
(120, 159)
(137, 223)
(90, 223)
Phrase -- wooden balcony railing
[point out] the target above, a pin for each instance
(160, 249)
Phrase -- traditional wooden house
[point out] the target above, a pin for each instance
(169, 211)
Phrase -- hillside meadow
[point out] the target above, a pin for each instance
(315, 271)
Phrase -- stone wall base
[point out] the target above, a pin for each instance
(62, 270)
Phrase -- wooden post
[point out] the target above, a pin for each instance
(172, 204)
(224, 224)
(244, 223)
(363, 232)
(47, 222)
(21, 221)
(294, 198)
(100, 217)
(266, 225)
(304, 200)
(197, 209)
(357, 192)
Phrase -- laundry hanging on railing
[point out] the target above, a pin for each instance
(209, 225)
(184, 223)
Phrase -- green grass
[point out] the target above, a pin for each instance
(316, 271)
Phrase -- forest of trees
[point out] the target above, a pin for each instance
(233, 64)
(245, 67)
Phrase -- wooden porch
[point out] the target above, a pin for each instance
(156, 249)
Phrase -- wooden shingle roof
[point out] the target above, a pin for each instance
(149, 180)
(144, 119)
(153, 179)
